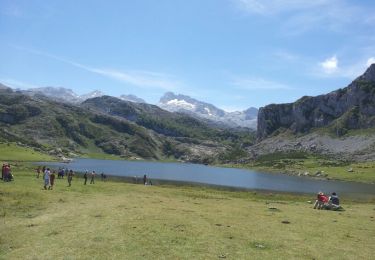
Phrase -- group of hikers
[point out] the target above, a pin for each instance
(327, 202)
(50, 175)
(6, 172)
(323, 201)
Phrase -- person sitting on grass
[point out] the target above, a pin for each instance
(333, 202)
(321, 200)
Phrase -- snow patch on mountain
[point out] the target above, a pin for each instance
(132, 98)
(180, 104)
(191, 106)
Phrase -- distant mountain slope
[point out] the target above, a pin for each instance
(110, 125)
(352, 107)
(157, 119)
(55, 93)
(69, 96)
(188, 105)
(132, 98)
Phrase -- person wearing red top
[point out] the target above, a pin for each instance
(321, 200)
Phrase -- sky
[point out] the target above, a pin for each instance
(234, 54)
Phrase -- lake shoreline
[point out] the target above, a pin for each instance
(228, 178)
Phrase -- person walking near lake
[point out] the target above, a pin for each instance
(85, 177)
(92, 181)
(145, 179)
(38, 172)
(51, 180)
(70, 177)
(46, 178)
(2, 172)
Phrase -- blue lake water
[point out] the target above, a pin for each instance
(228, 177)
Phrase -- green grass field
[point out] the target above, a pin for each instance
(332, 169)
(116, 220)
(13, 152)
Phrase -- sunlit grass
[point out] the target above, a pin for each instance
(115, 220)
(13, 152)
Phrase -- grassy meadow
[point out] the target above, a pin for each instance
(295, 163)
(117, 220)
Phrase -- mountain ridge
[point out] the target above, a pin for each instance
(185, 104)
(351, 107)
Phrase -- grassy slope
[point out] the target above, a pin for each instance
(335, 170)
(12, 152)
(126, 221)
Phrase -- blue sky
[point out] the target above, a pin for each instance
(232, 53)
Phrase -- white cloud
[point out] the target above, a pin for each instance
(267, 7)
(18, 84)
(370, 61)
(351, 70)
(256, 83)
(286, 55)
(146, 79)
(139, 78)
(298, 16)
(330, 65)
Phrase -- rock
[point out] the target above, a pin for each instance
(309, 201)
(259, 246)
(320, 111)
(350, 170)
(306, 173)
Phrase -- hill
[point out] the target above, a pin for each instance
(112, 126)
(349, 108)
(337, 125)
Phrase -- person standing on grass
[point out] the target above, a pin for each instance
(145, 179)
(38, 172)
(46, 178)
(92, 181)
(70, 177)
(2, 172)
(85, 177)
(51, 180)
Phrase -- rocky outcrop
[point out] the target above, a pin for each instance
(352, 107)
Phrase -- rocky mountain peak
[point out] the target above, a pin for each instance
(132, 98)
(92, 94)
(185, 104)
(352, 107)
(369, 74)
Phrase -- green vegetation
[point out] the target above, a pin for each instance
(109, 126)
(299, 163)
(12, 152)
(127, 221)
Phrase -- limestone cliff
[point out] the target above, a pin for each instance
(352, 107)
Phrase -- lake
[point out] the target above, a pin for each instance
(227, 177)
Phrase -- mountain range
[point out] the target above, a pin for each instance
(113, 126)
(196, 108)
(170, 102)
(339, 124)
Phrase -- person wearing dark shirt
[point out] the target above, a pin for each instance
(334, 201)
